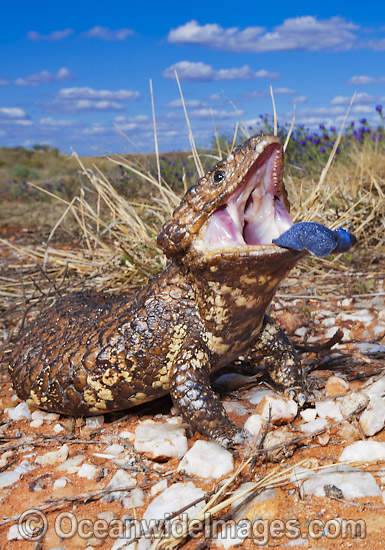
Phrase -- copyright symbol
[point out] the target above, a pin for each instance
(32, 525)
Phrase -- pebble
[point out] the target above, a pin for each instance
(283, 438)
(71, 465)
(36, 423)
(313, 426)
(377, 388)
(207, 459)
(308, 414)
(255, 396)
(159, 441)
(362, 316)
(158, 487)
(60, 483)
(336, 385)
(120, 479)
(13, 533)
(20, 411)
(233, 534)
(352, 402)
(279, 410)
(115, 449)
(58, 428)
(234, 407)
(353, 482)
(52, 457)
(95, 421)
(10, 477)
(328, 409)
(365, 451)
(254, 424)
(174, 498)
(87, 470)
(133, 499)
(372, 420)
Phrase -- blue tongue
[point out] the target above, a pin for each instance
(316, 239)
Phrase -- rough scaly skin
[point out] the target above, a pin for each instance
(92, 353)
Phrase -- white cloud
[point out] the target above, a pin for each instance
(360, 80)
(12, 112)
(78, 105)
(298, 33)
(44, 77)
(50, 122)
(258, 94)
(300, 99)
(105, 33)
(377, 45)
(201, 72)
(90, 93)
(360, 99)
(190, 103)
(217, 114)
(53, 36)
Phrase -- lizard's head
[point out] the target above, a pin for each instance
(239, 205)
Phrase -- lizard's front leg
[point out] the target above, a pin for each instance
(193, 395)
(281, 361)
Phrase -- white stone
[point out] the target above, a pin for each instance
(308, 414)
(353, 482)
(372, 420)
(58, 428)
(120, 479)
(313, 426)
(377, 388)
(352, 401)
(71, 465)
(94, 421)
(174, 498)
(256, 396)
(52, 457)
(362, 316)
(346, 302)
(234, 407)
(365, 451)
(301, 331)
(328, 409)
(20, 411)
(161, 440)
(133, 499)
(114, 449)
(87, 470)
(59, 483)
(207, 459)
(9, 477)
(158, 487)
(14, 533)
(38, 415)
(254, 424)
(36, 423)
(127, 435)
(281, 410)
(49, 417)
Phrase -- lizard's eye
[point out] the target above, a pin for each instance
(219, 176)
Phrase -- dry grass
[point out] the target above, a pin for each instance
(118, 248)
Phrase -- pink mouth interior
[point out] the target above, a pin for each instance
(255, 213)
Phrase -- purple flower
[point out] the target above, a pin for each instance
(379, 108)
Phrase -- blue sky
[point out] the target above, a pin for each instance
(75, 75)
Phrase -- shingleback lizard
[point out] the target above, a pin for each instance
(92, 353)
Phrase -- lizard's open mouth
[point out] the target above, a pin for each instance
(257, 211)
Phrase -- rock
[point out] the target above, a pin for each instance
(174, 498)
(94, 421)
(281, 410)
(19, 412)
(234, 407)
(377, 388)
(9, 477)
(52, 457)
(120, 479)
(59, 483)
(71, 465)
(283, 439)
(133, 499)
(14, 533)
(158, 487)
(36, 423)
(233, 534)
(348, 432)
(263, 505)
(314, 426)
(114, 449)
(328, 409)
(308, 414)
(255, 396)
(254, 424)
(159, 441)
(372, 420)
(207, 459)
(352, 402)
(336, 385)
(364, 451)
(353, 482)
(87, 470)
(58, 428)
